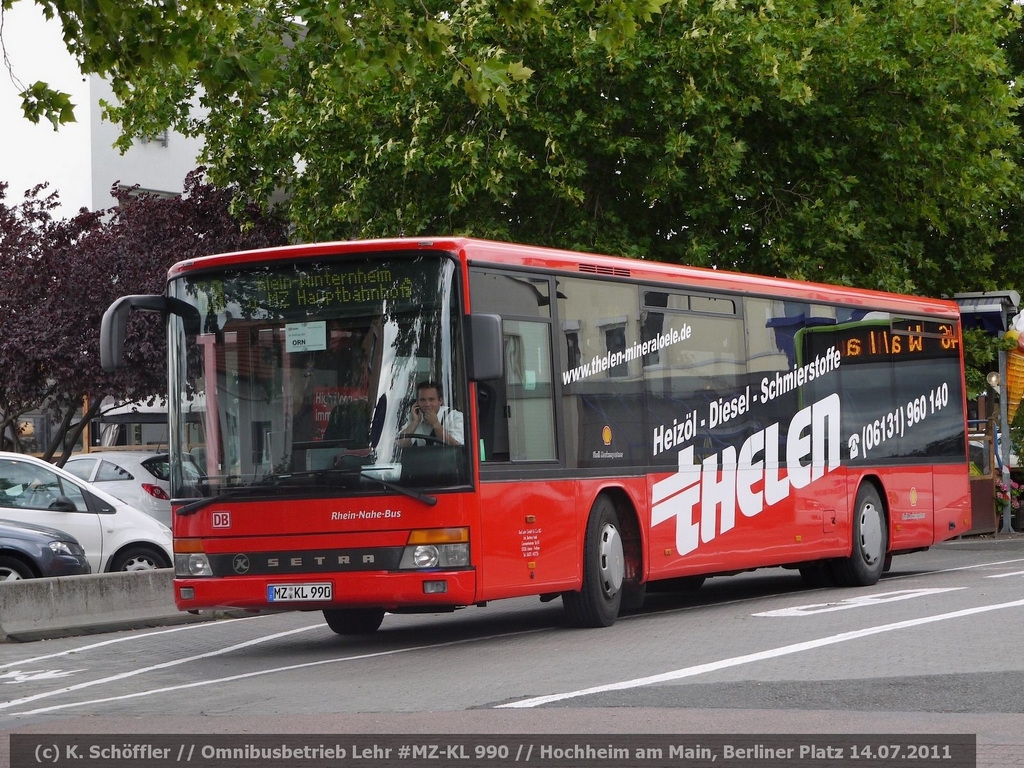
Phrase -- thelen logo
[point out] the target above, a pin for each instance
(703, 498)
(221, 519)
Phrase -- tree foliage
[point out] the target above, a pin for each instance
(208, 43)
(869, 143)
(57, 277)
(32, 276)
(864, 142)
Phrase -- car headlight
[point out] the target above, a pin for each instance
(67, 548)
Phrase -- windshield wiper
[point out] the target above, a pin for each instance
(235, 493)
(360, 472)
(280, 483)
(412, 493)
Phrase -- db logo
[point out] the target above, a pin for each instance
(221, 519)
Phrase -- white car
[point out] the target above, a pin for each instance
(116, 536)
(138, 478)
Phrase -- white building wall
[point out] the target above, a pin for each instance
(156, 166)
(78, 161)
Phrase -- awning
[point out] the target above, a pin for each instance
(988, 310)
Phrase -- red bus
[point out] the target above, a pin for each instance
(419, 425)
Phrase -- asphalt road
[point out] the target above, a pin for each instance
(936, 647)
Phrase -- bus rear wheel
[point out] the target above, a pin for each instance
(597, 603)
(354, 621)
(866, 562)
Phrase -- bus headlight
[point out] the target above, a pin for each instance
(426, 557)
(436, 548)
(192, 565)
(189, 559)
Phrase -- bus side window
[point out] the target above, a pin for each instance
(529, 391)
(517, 412)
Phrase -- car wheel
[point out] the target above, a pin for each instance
(12, 569)
(137, 559)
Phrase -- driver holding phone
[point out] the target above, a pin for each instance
(433, 421)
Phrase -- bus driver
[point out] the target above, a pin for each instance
(430, 417)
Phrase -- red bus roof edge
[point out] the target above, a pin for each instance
(513, 254)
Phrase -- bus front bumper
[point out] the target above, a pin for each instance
(390, 591)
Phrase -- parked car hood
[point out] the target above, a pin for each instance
(8, 527)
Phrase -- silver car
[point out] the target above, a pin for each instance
(138, 478)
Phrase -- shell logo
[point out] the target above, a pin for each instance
(606, 435)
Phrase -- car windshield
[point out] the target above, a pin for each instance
(301, 376)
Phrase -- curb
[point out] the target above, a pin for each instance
(36, 609)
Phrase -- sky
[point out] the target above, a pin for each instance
(78, 160)
(34, 153)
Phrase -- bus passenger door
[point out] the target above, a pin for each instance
(527, 529)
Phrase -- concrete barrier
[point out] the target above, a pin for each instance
(34, 609)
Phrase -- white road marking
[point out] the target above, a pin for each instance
(751, 658)
(34, 676)
(860, 601)
(143, 670)
(244, 675)
(1004, 575)
(126, 638)
(963, 568)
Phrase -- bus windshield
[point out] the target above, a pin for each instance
(304, 378)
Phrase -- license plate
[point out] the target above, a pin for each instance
(277, 593)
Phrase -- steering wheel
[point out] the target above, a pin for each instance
(431, 439)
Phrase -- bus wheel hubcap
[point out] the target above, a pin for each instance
(870, 533)
(611, 560)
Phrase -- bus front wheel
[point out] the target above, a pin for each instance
(597, 603)
(866, 562)
(354, 621)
